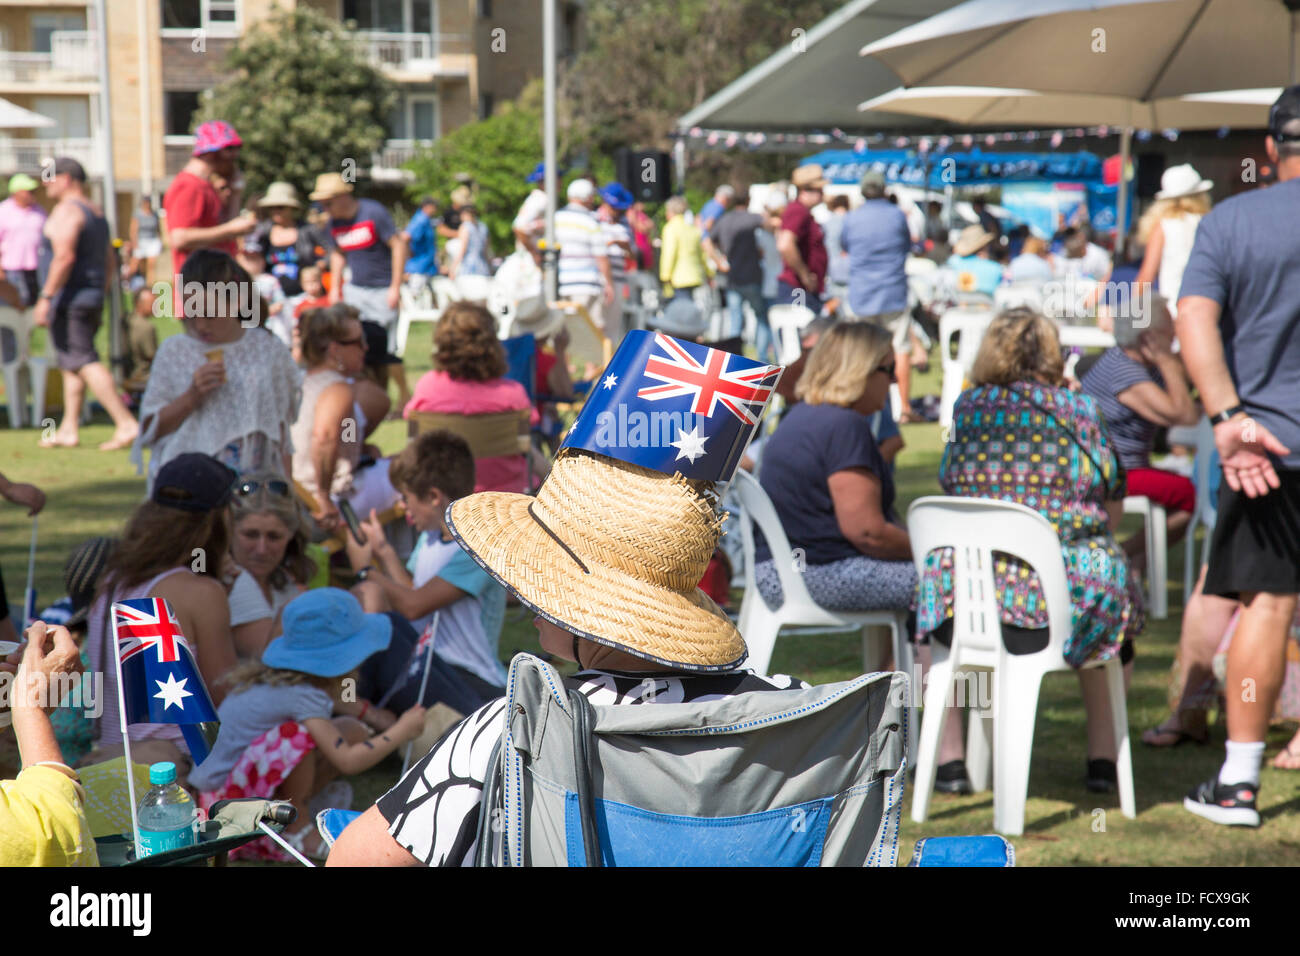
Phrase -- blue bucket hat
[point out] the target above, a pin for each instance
(617, 195)
(539, 173)
(327, 634)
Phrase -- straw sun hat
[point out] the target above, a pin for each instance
(612, 552)
(614, 545)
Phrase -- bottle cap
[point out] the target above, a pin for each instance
(162, 772)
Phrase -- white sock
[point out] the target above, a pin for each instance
(1242, 763)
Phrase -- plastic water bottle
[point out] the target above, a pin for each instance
(166, 813)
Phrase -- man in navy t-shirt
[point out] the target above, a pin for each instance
(362, 236)
(1238, 322)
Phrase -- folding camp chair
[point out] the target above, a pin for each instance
(812, 777)
(231, 824)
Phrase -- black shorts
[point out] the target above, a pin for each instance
(1256, 543)
(72, 329)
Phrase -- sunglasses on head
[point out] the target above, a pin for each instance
(276, 486)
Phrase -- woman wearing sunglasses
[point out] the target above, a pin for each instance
(832, 488)
(226, 388)
(339, 410)
(269, 565)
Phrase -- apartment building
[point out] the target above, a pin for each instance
(453, 61)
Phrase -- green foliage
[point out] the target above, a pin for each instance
(304, 100)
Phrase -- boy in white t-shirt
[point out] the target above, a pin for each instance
(441, 591)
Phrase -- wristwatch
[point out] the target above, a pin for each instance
(363, 574)
(1226, 414)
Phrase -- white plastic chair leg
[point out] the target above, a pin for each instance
(1157, 563)
(979, 747)
(38, 372)
(936, 697)
(403, 330)
(14, 395)
(1015, 696)
(761, 639)
(1124, 757)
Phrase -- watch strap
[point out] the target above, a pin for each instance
(1226, 414)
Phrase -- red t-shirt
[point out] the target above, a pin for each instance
(812, 247)
(192, 203)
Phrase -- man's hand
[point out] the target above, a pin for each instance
(243, 224)
(394, 297)
(29, 496)
(1244, 446)
(41, 312)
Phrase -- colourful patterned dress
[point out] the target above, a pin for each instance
(1045, 448)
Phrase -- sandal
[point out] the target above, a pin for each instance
(1152, 737)
(315, 850)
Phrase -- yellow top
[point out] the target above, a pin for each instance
(42, 821)
(681, 258)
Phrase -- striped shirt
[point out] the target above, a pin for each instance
(1130, 433)
(616, 232)
(581, 242)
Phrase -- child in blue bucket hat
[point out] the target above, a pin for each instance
(280, 710)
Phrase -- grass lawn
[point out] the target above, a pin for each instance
(92, 492)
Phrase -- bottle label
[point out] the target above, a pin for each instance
(160, 841)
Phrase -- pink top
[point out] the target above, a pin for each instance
(20, 235)
(436, 391)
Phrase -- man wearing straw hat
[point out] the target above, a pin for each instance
(608, 556)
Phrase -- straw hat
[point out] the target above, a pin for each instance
(1182, 180)
(279, 194)
(612, 552)
(329, 185)
(809, 177)
(972, 240)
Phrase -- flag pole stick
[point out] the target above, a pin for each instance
(424, 682)
(126, 738)
(29, 596)
(261, 825)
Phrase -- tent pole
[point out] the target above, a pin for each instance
(1121, 194)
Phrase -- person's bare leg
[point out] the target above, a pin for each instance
(903, 375)
(374, 402)
(74, 391)
(1256, 662)
(398, 373)
(1096, 705)
(1205, 618)
(311, 775)
(1176, 523)
(100, 381)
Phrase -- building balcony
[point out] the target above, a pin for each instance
(34, 155)
(386, 165)
(71, 66)
(418, 56)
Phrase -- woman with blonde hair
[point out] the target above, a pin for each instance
(1168, 228)
(832, 489)
(1021, 435)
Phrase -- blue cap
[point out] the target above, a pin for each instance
(162, 772)
(617, 195)
(539, 173)
(327, 634)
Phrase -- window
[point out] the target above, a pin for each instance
(44, 25)
(179, 107)
(216, 16)
(70, 113)
(414, 118)
(392, 16)
(485, 8)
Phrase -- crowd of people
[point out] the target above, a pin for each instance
(258, 421)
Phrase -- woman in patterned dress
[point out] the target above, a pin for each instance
(1021, 435)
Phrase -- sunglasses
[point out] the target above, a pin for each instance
(276, 486)
(887, 369)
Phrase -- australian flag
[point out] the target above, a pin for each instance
(675, 406)
(161, 683)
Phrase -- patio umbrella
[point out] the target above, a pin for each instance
(992, 106)
(1141, 50)
(13, 116)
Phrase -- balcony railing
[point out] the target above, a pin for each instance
(442, 54)
(32, 155)
(73, 56)
(387, 163)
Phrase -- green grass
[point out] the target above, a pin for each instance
(92, 492)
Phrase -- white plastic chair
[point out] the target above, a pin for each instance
(760, 625)
(969, 326)
(1019, 294)
(787, 323)
(1157, 549)
(13, 360)
(1207, 507)
(472, 288)
(974, 528)
(416, 307)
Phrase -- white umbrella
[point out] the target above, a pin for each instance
(13, 116)
(992, 106)
(1141, 49)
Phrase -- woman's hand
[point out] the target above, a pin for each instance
(410, 725)
(208, 377)
(40, 666)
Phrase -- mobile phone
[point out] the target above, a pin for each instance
(350, 516)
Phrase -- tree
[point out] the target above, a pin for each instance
(304, 100)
